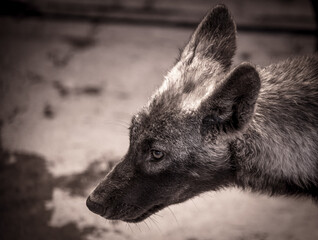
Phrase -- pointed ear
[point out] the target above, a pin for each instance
(214, 38)
(231, 106)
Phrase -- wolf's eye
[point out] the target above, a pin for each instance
(156, 154)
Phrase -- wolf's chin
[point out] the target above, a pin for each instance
(144, 215)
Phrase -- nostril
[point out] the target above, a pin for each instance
(95, 207)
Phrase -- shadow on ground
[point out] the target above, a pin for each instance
(25, 188)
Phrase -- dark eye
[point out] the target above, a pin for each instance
(156, 154)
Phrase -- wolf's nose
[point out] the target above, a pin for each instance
(95, 207)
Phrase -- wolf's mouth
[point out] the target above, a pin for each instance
(146, 214)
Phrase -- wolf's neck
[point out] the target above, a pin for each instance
(273, 162)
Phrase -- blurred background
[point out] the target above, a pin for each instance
(72, 73)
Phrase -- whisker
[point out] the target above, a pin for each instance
(194, 204)
(124, 123)
(157, 215)
(156, 223)
(174, 216)
(136, 224)
(129, 227)
(146, 224)
(120, 124)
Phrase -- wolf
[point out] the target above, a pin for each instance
(210, 127)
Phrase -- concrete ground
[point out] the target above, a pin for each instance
(68, 91)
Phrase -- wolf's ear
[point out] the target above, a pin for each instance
(214, 38)
(231, 106)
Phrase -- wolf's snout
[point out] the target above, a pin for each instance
(95, 207)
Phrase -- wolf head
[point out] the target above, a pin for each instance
(180, 142)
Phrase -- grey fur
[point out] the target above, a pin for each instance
(250, 127)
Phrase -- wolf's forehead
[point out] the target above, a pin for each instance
(191, 82)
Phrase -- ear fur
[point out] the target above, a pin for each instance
(231, 106)
(214, 38)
